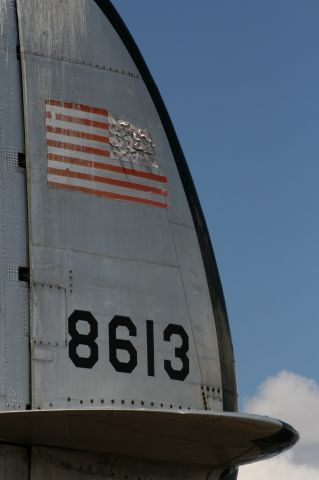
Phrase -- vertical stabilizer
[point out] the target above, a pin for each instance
(118, 242)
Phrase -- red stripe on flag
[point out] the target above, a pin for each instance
(81, 121)
(115, 196)
(77, 134)
(77, 106)
(108, 181)
(78, 148)
(108, 167)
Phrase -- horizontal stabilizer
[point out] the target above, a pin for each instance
(212, 439)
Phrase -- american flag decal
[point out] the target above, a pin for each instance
(90, 151)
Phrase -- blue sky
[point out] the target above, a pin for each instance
(240, 80)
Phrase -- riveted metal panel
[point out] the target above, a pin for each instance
(57, 464)
(198, 303)
(142, 291)
(14, 463)
(14, 328)
(113, 257)
(49, 314)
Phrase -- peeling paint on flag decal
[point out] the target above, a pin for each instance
(91, 151)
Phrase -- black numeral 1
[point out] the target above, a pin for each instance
(150, 347)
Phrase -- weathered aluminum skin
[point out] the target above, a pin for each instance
(14, 463)
(14, 328)
(58, 464)
(14, 305)
(103, 256)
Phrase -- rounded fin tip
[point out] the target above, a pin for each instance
(282, 440)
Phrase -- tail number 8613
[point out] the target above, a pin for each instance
(116, 344)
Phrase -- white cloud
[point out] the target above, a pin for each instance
(295, 400)
(281, 468)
